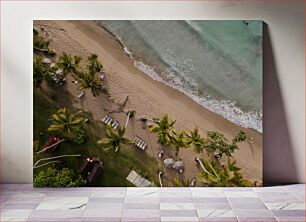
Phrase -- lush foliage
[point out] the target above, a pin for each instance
(221, 175)
(40, 44)
(68, 125)
(79, 133)
(163, 127)
(178, 141)
(240, 137)
(94, 65)
(195, 139)
(69, 63)
(38, 41)
(217, 144)
(41, 71)
(113, 139)
(58, 178)
(117, 167)
(90, 81)
(177, 182)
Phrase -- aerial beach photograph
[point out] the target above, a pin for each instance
(145, 103)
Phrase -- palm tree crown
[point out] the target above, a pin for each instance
(217, 144)
(94, 64)
(66, 123)
(113, 139)
(69, 63)
(163, 129)
(41, 71)
(90, 81)
(196, 140)
(178, 141)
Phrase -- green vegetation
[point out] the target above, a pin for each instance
(216, 144)
(41, 72)
(68, 125)
(178, 141)
(163, 127)
(69, 63)
(116, 167)
(90, 80)
(53, 177)
(40, 45)
(221, 175)
(195, 139)
(177, 182)
(240, 137)
(214, 172)
(82, 134)
(94, 64)
(113, 139)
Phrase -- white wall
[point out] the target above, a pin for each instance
(284, 139)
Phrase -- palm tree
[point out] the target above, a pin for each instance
(39, 43)
(113, 139)
(196, 140)
(130, 114)
(160, 174)
(94, 64)
(69, 63)
(240, 137)
(223, 175)
(163, 129)
(177, 182)
(178, 141)
(216, 144)
(90, 81)
(202, 166)
(66, 123)
(41, 71)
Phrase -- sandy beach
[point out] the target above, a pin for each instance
(148, 97)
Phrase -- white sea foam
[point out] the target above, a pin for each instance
(227, 109)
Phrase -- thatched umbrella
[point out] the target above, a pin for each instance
(168, 162)
(179, 166)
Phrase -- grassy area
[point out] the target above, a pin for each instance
(117, 167)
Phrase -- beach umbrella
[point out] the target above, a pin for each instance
(59, 72)
(168, 162)
(178, 165)
(47, 61)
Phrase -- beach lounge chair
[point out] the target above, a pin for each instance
(140, 143)
(108, 120)
(138, 180)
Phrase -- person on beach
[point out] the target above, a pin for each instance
(161, 153)
(251, 140)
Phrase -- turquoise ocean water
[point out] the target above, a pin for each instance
(216, 63)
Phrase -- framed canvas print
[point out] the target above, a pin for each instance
(165, 103)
